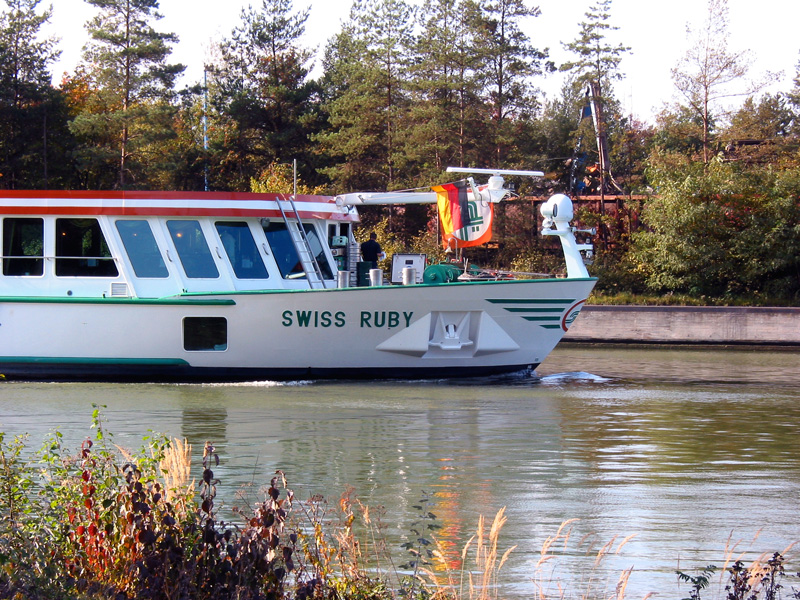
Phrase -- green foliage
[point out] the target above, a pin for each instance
(592, 73)
(366, 95)
(405, 92)
(446, 88)
(721, 232)
(699, 582)
(509, 60)
(537, 261)
(279, 179)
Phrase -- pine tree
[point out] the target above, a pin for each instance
(32, 112)
(262, 95)
(760, 132)
(597, 59)
(508, 60)
(594, 70)
(445, 117)
(366, 91)
(128, 112)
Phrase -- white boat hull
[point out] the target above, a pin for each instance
(428, 331)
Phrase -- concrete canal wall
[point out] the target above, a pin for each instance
(733, 325)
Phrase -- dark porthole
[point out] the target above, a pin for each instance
(205, 334)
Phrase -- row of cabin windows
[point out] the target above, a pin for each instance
(81, 249)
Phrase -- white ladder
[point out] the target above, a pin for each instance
(300, 240)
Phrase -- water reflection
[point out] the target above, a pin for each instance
(685, 365)
(204, 424)
(680, 448)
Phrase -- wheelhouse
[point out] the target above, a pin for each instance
(127, 249)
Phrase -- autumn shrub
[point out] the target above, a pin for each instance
(102, 523)
(721, 231)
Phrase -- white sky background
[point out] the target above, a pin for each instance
(654, 29)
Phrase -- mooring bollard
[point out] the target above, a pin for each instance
(376, 277)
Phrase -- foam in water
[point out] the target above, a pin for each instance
(572, 377)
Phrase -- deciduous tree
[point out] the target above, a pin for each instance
(711, 71)
(721, 231)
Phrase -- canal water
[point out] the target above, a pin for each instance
(661, 459)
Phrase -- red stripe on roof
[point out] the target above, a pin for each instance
(142, 195)
(201, 210)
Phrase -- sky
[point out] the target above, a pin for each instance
(654, 29)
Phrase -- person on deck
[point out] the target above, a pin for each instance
(370, 250)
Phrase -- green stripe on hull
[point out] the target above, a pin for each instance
(145, 301)
(529, 301)
(558, 310)
(536, 319)
(156, 362)
(389, 288)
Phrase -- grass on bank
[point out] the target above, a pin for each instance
(106, 523)
(629, 298)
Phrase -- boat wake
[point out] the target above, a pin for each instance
(518, 378)
(260, 384)
(572, 377)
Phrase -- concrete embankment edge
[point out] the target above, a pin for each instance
(716, 325)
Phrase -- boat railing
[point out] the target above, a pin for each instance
(64, 257)
(497, 275)
(52, 258)
(89, 266)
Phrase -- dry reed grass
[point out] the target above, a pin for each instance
(175, 469)
(481, 551)
(548, 583)
(481, 563)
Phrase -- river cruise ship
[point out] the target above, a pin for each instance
(204, 287)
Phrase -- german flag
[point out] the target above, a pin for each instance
(469, 222)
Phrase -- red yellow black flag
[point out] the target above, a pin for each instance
(467, 221)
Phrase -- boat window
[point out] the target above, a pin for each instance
(23, 238)
(241, 250)
(286, 254)
(205, 334)
(283, 250)
(193, 249)
(81, 250)
(318, 250)
(142, 248)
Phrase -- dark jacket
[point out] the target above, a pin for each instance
(370, 250)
